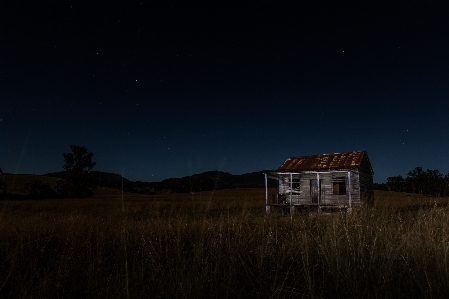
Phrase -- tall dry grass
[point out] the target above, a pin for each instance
(220, 244)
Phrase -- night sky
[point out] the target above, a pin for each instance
(169, 89)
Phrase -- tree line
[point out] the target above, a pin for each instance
(429, 182)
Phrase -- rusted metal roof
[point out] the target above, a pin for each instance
(325, 162)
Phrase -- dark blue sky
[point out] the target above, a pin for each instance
(169, 89)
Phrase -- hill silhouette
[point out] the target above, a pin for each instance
(212, 180)
(206, 181)
(18, 184)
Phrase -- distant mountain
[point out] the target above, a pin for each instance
(206, 181)
(102, 178)
(213, 180)
(18, 185)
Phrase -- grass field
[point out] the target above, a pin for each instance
(220, 244)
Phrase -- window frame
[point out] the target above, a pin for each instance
(341, 183)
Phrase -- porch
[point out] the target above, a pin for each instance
(309, 191)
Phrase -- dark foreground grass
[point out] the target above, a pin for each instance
(220, 244)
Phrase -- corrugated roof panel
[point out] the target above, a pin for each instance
(336, 161)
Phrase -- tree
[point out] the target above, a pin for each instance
(434, 183)
(396, 183)
(415, 181)
(78, 181)
(429, 182)
(446, 184)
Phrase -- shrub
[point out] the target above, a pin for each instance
(3, 191)
(40, 190)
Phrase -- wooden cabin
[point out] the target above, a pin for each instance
(328, 181)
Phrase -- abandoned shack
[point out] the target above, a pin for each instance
(328, 181)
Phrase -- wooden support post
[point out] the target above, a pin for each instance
(266, 189)
(267, 207)
(291, 187)
(349, 189)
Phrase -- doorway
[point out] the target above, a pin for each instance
(314, 191)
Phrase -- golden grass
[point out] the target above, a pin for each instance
(221, 244)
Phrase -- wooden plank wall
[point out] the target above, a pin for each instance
(366, 182)
(327, 196)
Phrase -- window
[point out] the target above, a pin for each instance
(296, 184)
(339, 187)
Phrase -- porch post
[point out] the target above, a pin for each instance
(291, 187)
(266, 189)
(267, 207)
(349, 211)
(319, 187)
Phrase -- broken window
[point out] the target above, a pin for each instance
(339, 186)
(296, 184)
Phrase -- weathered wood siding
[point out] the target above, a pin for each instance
(366, 182)
(355, 186)
(327, 197)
